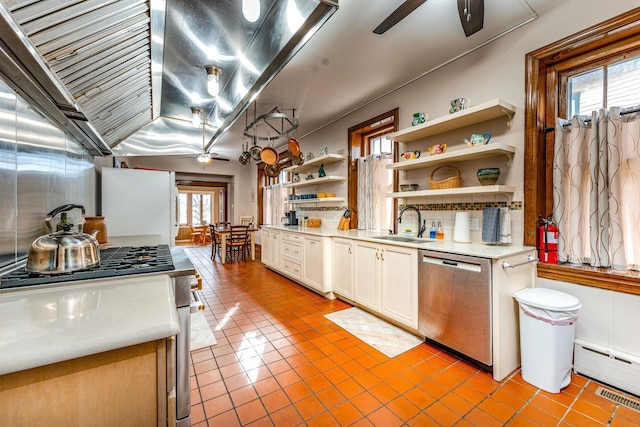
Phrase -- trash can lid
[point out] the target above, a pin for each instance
(549, 299)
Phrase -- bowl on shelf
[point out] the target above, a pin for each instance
(408, 187)
(488, 176)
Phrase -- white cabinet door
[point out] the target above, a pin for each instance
(313, 271)
(343, 267)
(366, 274)
(399, 284)
(274, 249)
(265, 250)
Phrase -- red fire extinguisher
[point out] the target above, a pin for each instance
(548, 241)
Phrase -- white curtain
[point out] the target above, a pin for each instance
(374, 181)
(596, 189)
(274, 199)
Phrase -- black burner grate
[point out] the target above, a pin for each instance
(114, 262)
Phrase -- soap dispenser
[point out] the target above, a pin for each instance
(432, 232)
(440, 232)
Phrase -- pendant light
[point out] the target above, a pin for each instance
(203, 157)
(196, 117)
(213, 79)
(251, 10)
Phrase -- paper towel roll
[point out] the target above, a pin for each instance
(462, 227)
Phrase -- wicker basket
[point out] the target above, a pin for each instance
(451, 182)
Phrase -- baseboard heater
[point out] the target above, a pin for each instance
(620, 370)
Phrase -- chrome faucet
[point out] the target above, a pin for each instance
(421, 226)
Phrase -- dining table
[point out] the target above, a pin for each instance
(225, 233)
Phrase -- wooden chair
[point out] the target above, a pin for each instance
(197, 235)
(238, 240)
(246, 219)
(216, 243)
(207, 234)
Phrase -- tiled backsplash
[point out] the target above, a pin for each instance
(443, 212)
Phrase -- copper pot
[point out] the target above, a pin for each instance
(294, 147)
(269, 155)
(272, 170)
(255, 152)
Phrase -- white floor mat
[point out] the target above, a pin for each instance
(201, 334)
(379, 334)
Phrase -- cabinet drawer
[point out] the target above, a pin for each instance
(292, 250)
(292, 268)
(292, 237)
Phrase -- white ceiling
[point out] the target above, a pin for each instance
(345, 65)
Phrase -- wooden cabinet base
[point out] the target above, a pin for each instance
(114, 388)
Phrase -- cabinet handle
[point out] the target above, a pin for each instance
(377, 253)
(529, 260)
(349, 249)
(382, 254)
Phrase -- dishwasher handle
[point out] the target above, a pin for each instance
(452, 264)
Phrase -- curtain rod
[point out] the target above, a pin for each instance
(622, 113)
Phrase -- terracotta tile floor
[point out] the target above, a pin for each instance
(279, 362)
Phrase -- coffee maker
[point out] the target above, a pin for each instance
(291, 216)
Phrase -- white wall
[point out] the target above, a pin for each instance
(607, 318)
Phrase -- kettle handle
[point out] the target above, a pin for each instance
(60, 209)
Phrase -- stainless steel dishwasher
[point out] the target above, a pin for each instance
(454, 303)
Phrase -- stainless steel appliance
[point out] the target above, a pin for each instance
(454, 303)
(128, 260)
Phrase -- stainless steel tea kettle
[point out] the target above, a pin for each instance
(63, 251)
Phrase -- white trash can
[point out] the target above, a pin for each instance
(547, 330)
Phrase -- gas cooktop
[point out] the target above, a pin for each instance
(114, 262)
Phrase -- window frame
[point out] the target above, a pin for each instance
(358, 146)
(215, 189)
(545, 96)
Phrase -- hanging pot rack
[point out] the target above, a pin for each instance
(261, 128)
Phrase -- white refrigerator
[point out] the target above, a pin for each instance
(139, 206)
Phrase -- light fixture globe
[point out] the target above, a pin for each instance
(213, 80)
(196, 117)
(204, 157)
(251, 10)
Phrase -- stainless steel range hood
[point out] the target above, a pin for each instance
(110, 71)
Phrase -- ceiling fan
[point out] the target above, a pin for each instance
(471, 14)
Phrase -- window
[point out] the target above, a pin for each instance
(201, 205)
(574, 75)
(265, 181)
(381, 146)
(368, 138)
(616, 84)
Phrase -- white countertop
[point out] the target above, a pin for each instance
(47, 324)
(446, 246)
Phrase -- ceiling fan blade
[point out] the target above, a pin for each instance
(471, 15)
(398, 15)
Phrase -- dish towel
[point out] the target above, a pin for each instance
(491, 225)
(505, 225)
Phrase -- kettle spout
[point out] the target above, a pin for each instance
(94, 233)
